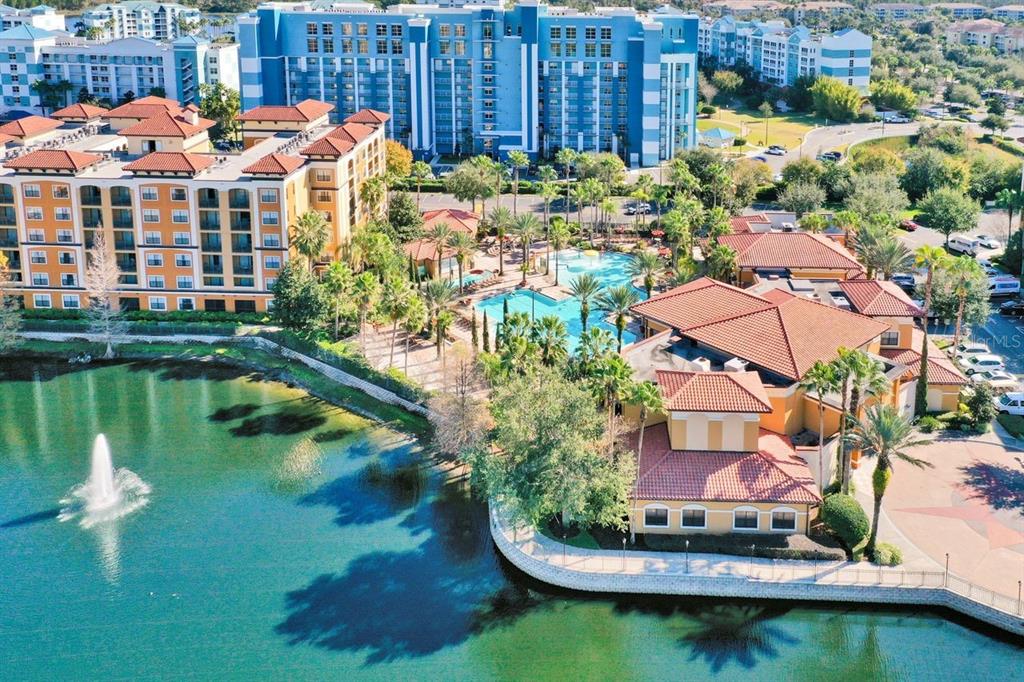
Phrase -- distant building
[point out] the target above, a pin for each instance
(961, 10)
(154, 20)
(1009, 13)
(805, 12)
(987, 33)
(743, 8)
(898, 11)
(781, 54)
(40, 16)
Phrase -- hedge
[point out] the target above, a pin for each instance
(764, 547)
(200, 316)
(887, 555)
(844, 515)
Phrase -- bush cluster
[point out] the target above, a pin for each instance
(844, 515)
(887, 555)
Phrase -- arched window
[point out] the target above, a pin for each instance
(694, 516)
(655, 516)
(784, 519)
(745, 518)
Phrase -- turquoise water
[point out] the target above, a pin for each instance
(254, 562)
(612, 269)
(474, 277)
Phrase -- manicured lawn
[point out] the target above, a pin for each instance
(1013, 423)
(583, 539)
(783, 129)
(901, 143)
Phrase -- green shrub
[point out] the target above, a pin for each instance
(739, 142)
(844, 515)
(709, 109)
(887, 555)
(928, 424)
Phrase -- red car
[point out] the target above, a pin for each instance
(908, 225)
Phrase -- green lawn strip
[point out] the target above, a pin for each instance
(583, 539)
(1013, 423)
(274, 366)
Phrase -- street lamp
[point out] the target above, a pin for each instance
(687, 557)
(623, 553)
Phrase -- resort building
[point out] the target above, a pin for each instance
(1009, 13)
(190, 230)
(960, 10)
(807, 12)
(110, 70)
(153, 20)
(780, 54)
(898, 11)
(798, 255)
(987, 33)
(40, 16)
(480, 77)
(423, 252)
(743, 8)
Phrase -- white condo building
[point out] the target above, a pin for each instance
(154, 20)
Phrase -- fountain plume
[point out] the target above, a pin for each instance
(108, 493)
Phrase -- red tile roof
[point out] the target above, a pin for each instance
(145, 108)
(879, 299)
(788, 337)
(775, 473)
(53, 159)
(304, 111)
(941, 371)
(698, 302)
(165, 125)
(455, 218)
(741, 224)
(327, 146)
(170, 162)
(425, 249)
(153, 99)
(783, 250)
(369, 117)
(351, 132)
(5, 138)
(712, 391)
(79, 110)
(274, 164)
(30, 126)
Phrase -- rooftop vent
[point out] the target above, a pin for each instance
(736, 365)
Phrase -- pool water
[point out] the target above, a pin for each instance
(473, 277)
(365, 563)
(612, 269)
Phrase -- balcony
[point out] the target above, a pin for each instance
(120, 196)
(8, 238)
(211, 242)
(241, 243)
(91, 217)
(209, 220)
(90, 196)
(7, 216)
(124, 241)
(241, 221)
(209, 198)
(6, 194)
(238, 198)
(123, 219)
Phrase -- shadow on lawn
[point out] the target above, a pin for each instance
(999, 486)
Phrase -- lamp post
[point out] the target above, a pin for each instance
(750, 570)
(687, 557)
(563, 549)
(623, 553)
(945, 576)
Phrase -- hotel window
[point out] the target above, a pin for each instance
(460, 30)
(62, 213)
(311, 28)
(150, 215)
(656, 517)
(41, 301)
(570, 49)
(324, 176)
(182, 238)
(361, 29)
(154, 260)
(61, 192)
(157, 303)
(149, 194)
(268, 195)
(589, 50)
(33, 212)
(396, 30)
(178, 194)
(179, 216)
(396, 46)
(31, 191)
(183, 260)
(40, 279)
(269, 217)
(694, 518)
(570, 33)
(328, 45)
(186, 304)
(37, 257)
(890, 338)
(272, 241)
(312, 45)
(327, 29)
(744, 519)
(783, 520)
(556, 32)
(272, 262)
(363, 46)
(35, 236)
(152, 238)
(460, 48)
(65, 236)
(71, 301)
(590, 33)
(346, 29)
(382, 47)
(185, 282)
(488, 51)
(606, 50)
(68, 279)
(445, 48)
(556, 49)
(66, 258)
(270, 282)
(346, 45)
(606, 33)
(155, 281)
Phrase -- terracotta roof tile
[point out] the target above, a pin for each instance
(327, 146)
(170, 162)
(941, 371)
(369, 117)
(144, 109)
(304, 111)
(425, 249)
(79, 110)
(741, 224)
(713, 391)
(876, 298)
(456, 218)
(775, 473)
(698, 302)
(352, 132)
(53, 159)
(274, 164)
(783, 250)
(29, 126)
(165, 125)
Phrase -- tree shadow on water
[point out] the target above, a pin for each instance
(373, 494)
(180, 370)
(286, 422)
(230, 414)
(1001, 487)
(46, 369)
(459, 521)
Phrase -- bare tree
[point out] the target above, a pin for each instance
(10, 316)
(102, 277)
(460, 419)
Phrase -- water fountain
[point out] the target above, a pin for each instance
(108, 493)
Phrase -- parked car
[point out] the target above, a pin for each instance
(983, 362)
(997, 379)
(1003, 286)
(963, 245)
(899, 119)
(967, 349)
(987, 241)
(904, 280)
(776, 150)
(762, 159)
(834, 157)
(637, 209)
(1012, 308)
(1010, 403)
(909, 225)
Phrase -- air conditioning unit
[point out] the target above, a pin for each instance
(736, 365)
(700, 365)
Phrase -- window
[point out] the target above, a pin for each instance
(150, 215)
(460, 30)
(606, 50)
(182, 238)
(323, 196)
(444, 30)
(272, 262)
(570, 49)
(890, 338)
(272, 241)
(324, 176)
(311, 28)
(744, 519)
(656, 517)
(570, 33)
(606, 33)
(184, 282)
(327, 29)
(556, 32)
(40, 279)
(154, 260)
(268, 195)
(177, 194)
(33, 213)
(62, 213)
(311, 45)
(31, 191)
(157, 303)
(179, 216)
(152, 238)
(590, 33)
(65, 236)
(61, 192)
(66, 258)
(156, 281)
(783, 519)
(589, 50)
(70, 301)
(556, 49)
(694, 517)
(183, 260)
(35, 236)
(460, 48)
(37, 257)
(41, 301)
(270, 282)
(186, 304)
(68, 279)
(149, 193)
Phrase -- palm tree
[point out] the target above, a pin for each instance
(517, 160)
(580, 195)
(931, 259)
(442, 323)
(501, 218)
(685, 271)
(607, 207)
(552, 337)
(847, 221)
(721, 264)
(337, 280)
(372, 194)
(365, 289)
(526, 228)
(821, 379)
(558, 236)
(421, 170)
(463, 247)
(682, 180)
(585, 289)
(309, 235)
(963, 269)
(565, 158)
(438, 294)
(813, 223)
(890, 255)
(869, 236)
(660, 197)
(412, 323)
(866, 377)
(395, 298)
(617, 301)
(439, 235)
(887, 436)
(611, 379)
(548, 191)
(1010, 199)
(646, 264)
(646, 396)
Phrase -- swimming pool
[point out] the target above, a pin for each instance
(473, 277)
(612, 269)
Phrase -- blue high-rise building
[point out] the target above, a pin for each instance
(477, 77)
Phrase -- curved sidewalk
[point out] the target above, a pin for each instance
(716, 575)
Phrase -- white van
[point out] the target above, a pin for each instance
(964, 245)
(1010, 403)
(1003, 286)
